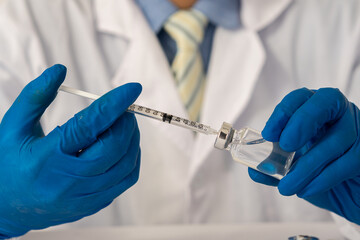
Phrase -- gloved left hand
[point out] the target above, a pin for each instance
(324, 128)
(74, 171)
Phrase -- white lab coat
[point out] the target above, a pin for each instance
(283, 45)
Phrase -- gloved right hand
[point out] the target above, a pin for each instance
(323, 127)
(74, 171)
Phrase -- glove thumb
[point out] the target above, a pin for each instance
(29, 106)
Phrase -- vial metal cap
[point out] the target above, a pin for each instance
(225, 136)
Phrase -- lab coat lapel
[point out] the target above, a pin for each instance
(234, 70)
(146, 63)
(236, 63)
(258, 14)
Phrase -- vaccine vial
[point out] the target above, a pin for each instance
(248, 147)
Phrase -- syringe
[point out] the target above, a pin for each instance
(246, 145)
(151, 113)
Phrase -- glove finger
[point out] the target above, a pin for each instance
(326, 106)
(33, 100)
(111, 146)
(282, 113)
(125, 184)
(120, 170)
(97, 199)
(331, 176)
(83, 129)
(262, 178)
(339, 138)
(343, 168)
(343, 200)
(117, 172)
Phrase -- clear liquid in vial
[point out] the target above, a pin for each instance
(249, 148)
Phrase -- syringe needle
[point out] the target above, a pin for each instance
(151, 113)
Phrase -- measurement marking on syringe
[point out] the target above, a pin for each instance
(148, 112)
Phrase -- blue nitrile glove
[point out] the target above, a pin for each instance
(323, 127)
(74, 171)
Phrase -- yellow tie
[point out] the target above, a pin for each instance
(186, 27)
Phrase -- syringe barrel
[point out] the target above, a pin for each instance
(151, 113)
(171, 119)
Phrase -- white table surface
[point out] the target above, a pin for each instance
(268, 231)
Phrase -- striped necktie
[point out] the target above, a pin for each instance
(186, 27)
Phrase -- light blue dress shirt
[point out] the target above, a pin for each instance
(223, 13)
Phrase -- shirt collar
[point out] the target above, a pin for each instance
(121, 17)
(223, 13)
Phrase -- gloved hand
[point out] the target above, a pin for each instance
(74, 171)
(323, 127)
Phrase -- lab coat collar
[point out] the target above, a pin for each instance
(116, 17)
(233, 74)
(258, 14)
